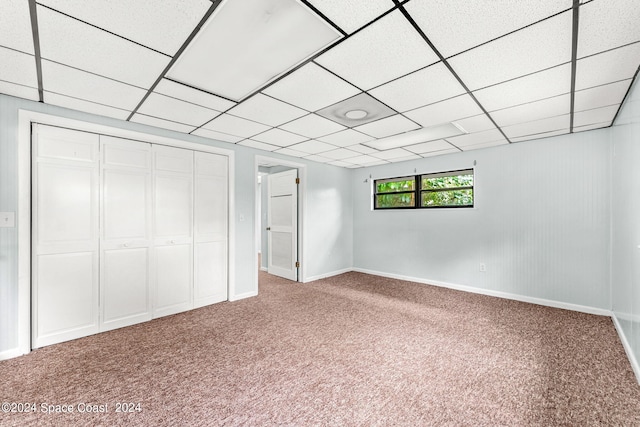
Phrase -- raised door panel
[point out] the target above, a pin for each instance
(125, 204)
(211, 208)
(174, 269)
(210, 273)
(173, 206)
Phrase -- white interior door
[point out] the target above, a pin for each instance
(65, 235)
(125, 247)
(210, 233)
(173, 230)
(282, 224)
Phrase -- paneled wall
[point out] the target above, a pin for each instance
(541, 223)
(625, 267)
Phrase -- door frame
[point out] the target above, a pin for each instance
(261, 160)
(25, 119)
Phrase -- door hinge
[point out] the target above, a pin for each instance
(297, 180)
(297, 264)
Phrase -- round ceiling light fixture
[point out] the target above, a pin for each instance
(356, 114)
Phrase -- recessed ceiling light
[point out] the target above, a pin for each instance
(356, 114)
(417, 136)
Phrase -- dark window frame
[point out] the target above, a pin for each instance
(418, 191)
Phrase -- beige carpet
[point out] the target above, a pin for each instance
(352, 350)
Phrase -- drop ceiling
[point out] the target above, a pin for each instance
(433, 77)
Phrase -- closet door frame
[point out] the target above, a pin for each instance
(25, 120)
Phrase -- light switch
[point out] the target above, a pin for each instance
(7, 219)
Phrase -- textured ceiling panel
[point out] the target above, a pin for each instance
(312, 126)
(426, 86)
(350, 15)
(549, 107)
(607, 24)
(446, 111)
(161, 25)
(86, 106)
(550, 124)
(477, 123)
(608, 67)
(311, 87)
(17, 67)
(279, 137)
(313, 147)
(260, 41)
(390, 46)
(595, 116)
(482, 20)
(532, 49)
(429, 147)
(340, 154)
(168, 108)
(266, 110)
(19, 91)
(346, 138)
(389, 126)
(161, 123)
(237, 126)
(70, 42)
(258, 145)
(220, 136)
(601, 96)
(476, 138)
(15, 26)
(195, 96)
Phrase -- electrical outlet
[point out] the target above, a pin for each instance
(483, 267)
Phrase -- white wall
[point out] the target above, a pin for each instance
(541, 223)
(327, 191)
(625, 255)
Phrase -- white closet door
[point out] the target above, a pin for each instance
(210, 234)
(65, 235)
(282, 221)
(125, 248)
(173, 230)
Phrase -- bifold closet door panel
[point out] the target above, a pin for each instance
(210, 234)
(125, 255)
(65, 235)
(173, 230)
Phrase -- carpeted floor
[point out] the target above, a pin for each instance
(352, 350)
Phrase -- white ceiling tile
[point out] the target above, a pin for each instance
(601, 96)
(19, 91)
(266, 110)
(90, 87)
(245, 44)
(354, 166)
(258, 145)
(161, 25)
(484, 145)
(279, 137)
(68, 41)
(195, 96)
(175, 110)
(15, 26)
(19, 68)
(340, 163)
(608, 67)
(532, 49)
(440, 152)
(313, 147)
(597, 115)
(362, 149)
(481, 20)
(389, 126)
(351, 15)
(219, 136)
(537, 110)
(313, 126)
(84, 106)
(476, 138)
(367, 160)
(340, 154)
(292, 153)
(426, 86)
(161, 123)
(311, 87)
(319, 159)
(432, 133)
(474, 124)
(591, 127)
(545, 84)
(390, 46)
(404, 159)
(550, 124)
(232, 125)
(541, 135)
(431, 146)
(457, 108)
(396, 153)
(607, 24)
(346, 138)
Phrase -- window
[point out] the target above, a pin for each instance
(452, 189)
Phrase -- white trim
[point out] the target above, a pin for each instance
(25, 118)
(302, 205)
(263, 269)
(244, 296)
(627, 348)
(326, 275)
(10, 354)
(489, 292)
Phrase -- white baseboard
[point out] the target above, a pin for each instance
(489, 292)
(627, 348)
(264, 269)
(238, 297)
(325, 275)
(10, 354)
